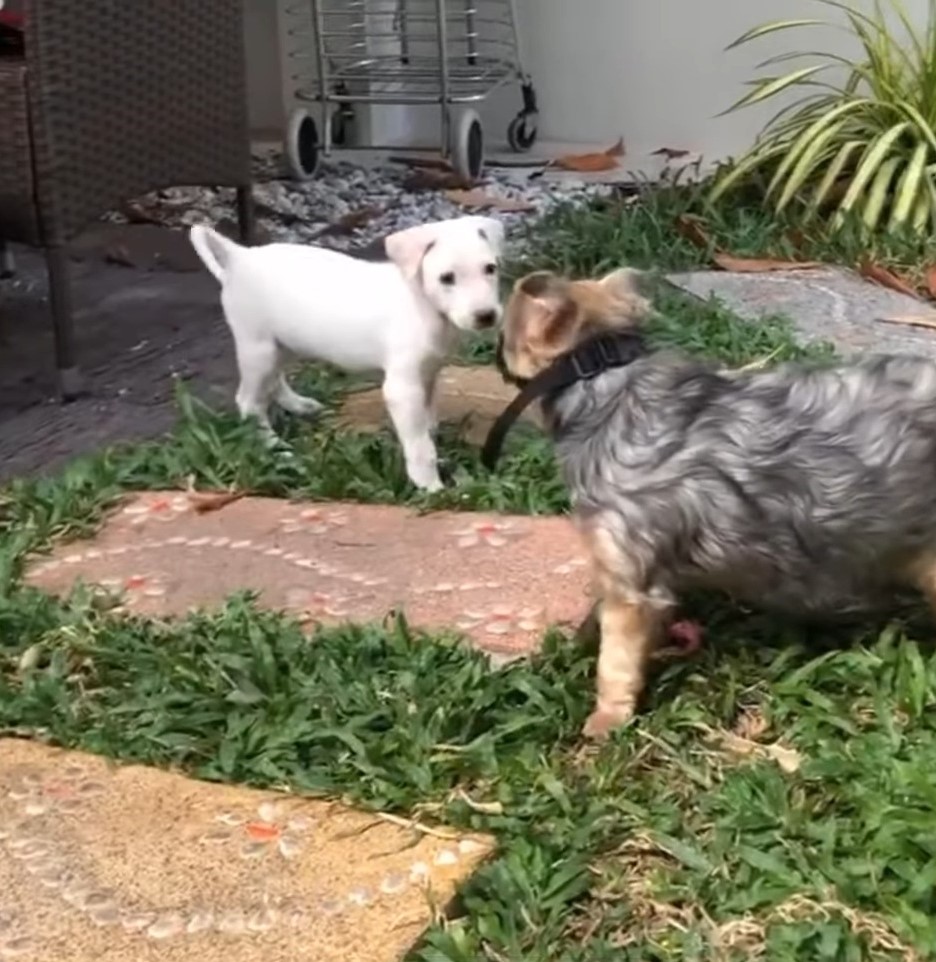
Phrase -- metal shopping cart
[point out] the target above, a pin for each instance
(404, 52)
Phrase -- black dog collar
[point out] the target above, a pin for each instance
(584, 362)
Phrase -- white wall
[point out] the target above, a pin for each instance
(656, 71)
(653, 71)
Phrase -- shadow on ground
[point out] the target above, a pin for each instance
(143, 318)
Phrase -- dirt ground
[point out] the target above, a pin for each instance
(145, 314)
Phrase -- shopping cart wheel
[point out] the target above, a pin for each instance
(302, 145)
(521, 132)
(467, 146)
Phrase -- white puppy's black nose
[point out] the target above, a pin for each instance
(485, 319)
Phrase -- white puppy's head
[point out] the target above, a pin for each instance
(454, 265)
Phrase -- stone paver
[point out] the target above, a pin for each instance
(499, 580)
(471, 396)
(825, 305)
(111, 864)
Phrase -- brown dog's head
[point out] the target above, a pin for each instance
(548, 315)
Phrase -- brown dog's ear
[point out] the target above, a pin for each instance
(407, 248)
(550, 314)
(627, 304)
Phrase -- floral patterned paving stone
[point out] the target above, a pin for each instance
(100, 863)
(500, 580)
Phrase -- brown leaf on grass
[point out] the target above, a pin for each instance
(797, 239)
(750, 724)
(670, 153)
(352, 220)
(886, 278)
(478, 199)
(789, 759)
(594, 162)
(931, 280)
(691, 228)
(484, 808)
(758, 265)
(137, 214)
(203, 502)
(119, 254)
(912, 320)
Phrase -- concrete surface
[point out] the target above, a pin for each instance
(824, 305)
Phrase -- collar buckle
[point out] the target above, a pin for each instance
(596, 356)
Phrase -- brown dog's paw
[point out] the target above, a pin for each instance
(601, 724)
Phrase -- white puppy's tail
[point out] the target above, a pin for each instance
(214, 249)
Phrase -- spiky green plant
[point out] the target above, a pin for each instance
(858, 145)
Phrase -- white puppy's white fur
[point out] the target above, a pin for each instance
(399, 317)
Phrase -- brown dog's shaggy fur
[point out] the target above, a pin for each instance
(805, 488)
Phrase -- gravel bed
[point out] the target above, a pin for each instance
(348, 206)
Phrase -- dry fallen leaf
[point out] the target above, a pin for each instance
(759, 363)
(29, 659)
(119, 254)
(796, 238)
(691, 228)
(884, 277)
(788, 759)
(912, 320)
(477, 199)
(595, 162)
(484, 808)
(931, 281)
(670, 153)
(429, 179)
(137, 214)
(204, 501)
(758, 265)
(352, 220)
(751, 724)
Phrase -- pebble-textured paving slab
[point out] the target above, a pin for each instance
(500, 580)
(100, 863)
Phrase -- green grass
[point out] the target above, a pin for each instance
(666, 844)
(607, 233)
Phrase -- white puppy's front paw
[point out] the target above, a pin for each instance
(307, 407)
(426, 478)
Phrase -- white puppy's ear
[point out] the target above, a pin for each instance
(407, 248)
(493, 231)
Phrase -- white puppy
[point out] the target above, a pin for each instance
(398, 316)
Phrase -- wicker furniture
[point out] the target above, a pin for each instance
(110, 99)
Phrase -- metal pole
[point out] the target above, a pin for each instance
(472, 38)
(318, 18)
(446, 117)
(403, 26)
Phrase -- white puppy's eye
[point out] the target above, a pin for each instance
(447, 279)
(490, 269)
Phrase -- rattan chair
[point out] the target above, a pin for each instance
(110, 99)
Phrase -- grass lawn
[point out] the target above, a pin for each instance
(645, 234)
(776, 797)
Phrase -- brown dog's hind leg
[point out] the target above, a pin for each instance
(922, 574)
(628, 635)
(630, 626)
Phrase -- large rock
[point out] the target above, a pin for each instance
(473, 396)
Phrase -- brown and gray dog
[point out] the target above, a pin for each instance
(803, 488)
